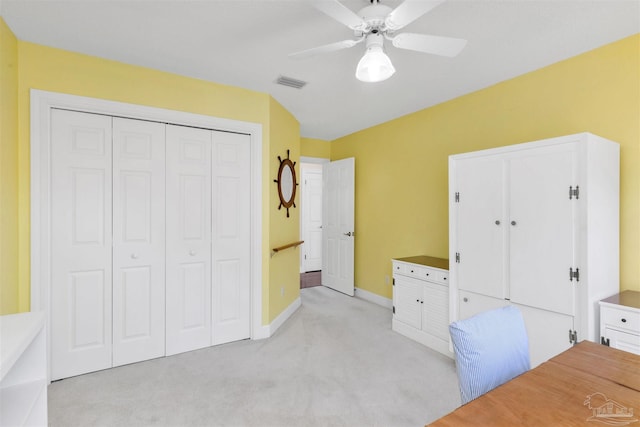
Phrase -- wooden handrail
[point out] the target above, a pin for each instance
(290, 245)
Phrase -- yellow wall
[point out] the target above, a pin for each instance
(284, 280)
(401, 166)
(49, 69)
(311, 147)
(9, 302)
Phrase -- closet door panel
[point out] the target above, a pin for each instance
(188, 239)
(138, 240)
(81, 243)
(231, 298)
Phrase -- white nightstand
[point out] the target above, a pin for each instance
(620, 321)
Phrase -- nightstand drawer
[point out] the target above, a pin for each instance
(621, 319)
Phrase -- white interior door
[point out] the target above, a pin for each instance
(138, 240)
(311, 218)
(231, 234)
(338, 206)
(80, 243)
(188, 260)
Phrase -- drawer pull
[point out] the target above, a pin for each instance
(412, 271)
(624, 320)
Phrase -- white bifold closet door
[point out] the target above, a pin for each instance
(150, 240)
(231, 234)
(208, 244)
(81, 285)
(188, 239)
(138, 240)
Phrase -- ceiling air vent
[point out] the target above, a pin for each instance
(291, 82)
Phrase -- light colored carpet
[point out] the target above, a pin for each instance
(335, 362)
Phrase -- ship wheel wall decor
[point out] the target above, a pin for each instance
(286, 183)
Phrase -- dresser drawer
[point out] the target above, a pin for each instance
(443, 277)
(621, 319)
(399, 268)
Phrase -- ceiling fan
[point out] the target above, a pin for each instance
(375, 23)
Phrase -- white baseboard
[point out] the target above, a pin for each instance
(374, 298)
(266, 331)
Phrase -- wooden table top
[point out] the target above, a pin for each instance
(589, 382)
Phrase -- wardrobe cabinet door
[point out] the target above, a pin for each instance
(542, 228)
(188, 239)
(80, 243)
(480, 226)
(138, 240)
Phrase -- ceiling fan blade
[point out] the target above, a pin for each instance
(331, 47)
(340, 13)
(409, 11)
(437, 45)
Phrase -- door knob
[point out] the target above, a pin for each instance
(347, 234)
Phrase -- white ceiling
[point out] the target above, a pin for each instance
(245, 43)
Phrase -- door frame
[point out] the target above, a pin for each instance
(42, 103)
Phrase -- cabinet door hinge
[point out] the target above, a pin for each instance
(393, 281)
(457, 198)
(574, 274)
(574, 192)
(458, 257)
(605, 341)
(573, 337)
(394, 309)
(305, 256)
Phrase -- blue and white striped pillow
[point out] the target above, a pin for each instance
(491, 348)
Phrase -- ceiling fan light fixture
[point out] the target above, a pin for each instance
(375, 66)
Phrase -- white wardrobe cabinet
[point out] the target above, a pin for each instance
(150, 240)
(536, 225)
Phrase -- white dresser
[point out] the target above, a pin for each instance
(23, 370)
(620, 321)
(421, 301)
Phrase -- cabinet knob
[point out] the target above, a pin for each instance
(624, 320)
(465, 299)
(513, 223)
(497, 222)
(412, 271)
(134, 256)
(417, 300)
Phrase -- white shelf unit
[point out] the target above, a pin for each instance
(23, 370)
(421, 301)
